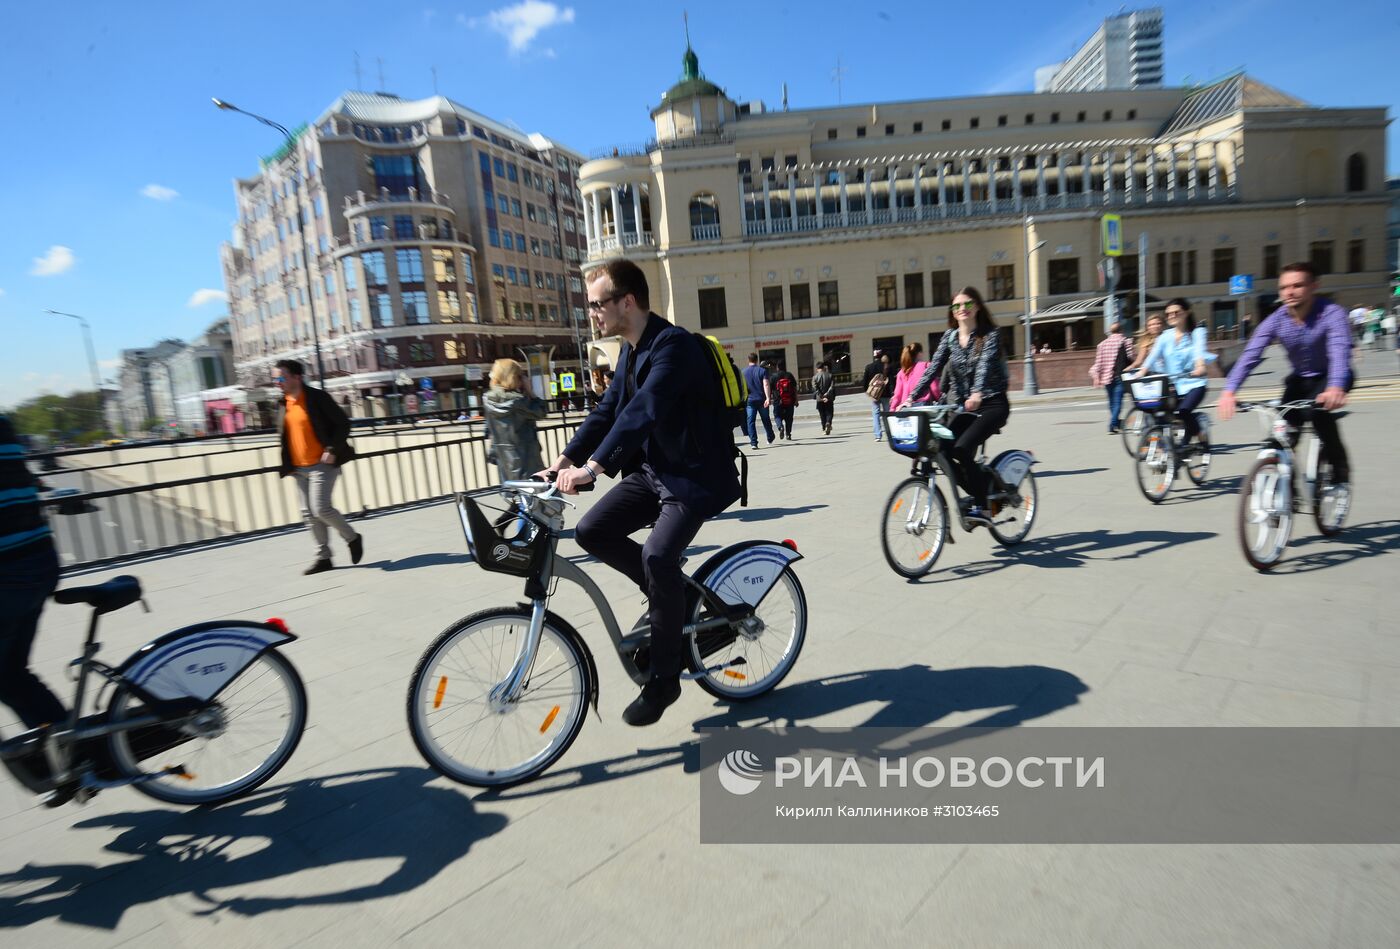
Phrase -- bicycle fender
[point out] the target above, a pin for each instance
(197, 661)
(744, 573)
(1011, 466)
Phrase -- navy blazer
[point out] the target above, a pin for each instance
(671, 421)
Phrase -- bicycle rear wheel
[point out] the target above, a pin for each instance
(768, 642)
(1131, 429)
(457, 718)
(1156, 463)
(1266, 514)
(243, 737)
(1013, 514)
(1198, 462)
(913, 527)
(1330, 502)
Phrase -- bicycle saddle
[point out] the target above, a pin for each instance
(103, 597)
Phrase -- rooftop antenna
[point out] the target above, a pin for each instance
(836, 76)
(785, 105)
(435, 91)
(685, 15)
(359, 85)
(380, 61)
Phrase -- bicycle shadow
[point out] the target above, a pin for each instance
(1191, 493)
(1042, 475)
(914, 696)
(208, 851)
(1353, 543)
(749, 515)
(1074, 549)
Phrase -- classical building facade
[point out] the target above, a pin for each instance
(824, 233)
(439, 239)
(1125, 52)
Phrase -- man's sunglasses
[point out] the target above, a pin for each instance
(596, 306)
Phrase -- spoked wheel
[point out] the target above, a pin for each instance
(1014, 513)
(768, 642)
(1266, 514)
(1198, 461)
(461, 721)
(1156, 463)
(1131, 429)
(244, 736)
(913, 527)
(1330, 502)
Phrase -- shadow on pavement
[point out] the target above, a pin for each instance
(1353, 543)
(420, 560)
(1074, 549)
(314, 825)
(1041, 475)
(913, 697)
(749, 515)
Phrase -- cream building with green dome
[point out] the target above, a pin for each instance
(823, 233)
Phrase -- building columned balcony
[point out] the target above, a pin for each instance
(362, 202)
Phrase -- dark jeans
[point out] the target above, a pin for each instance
(1297, 387)
(969, 432)
(655, 566)
(1115, 403)
(1186, 411)
(25, 583)
(785, 420)
(825, 410)
(752, 409)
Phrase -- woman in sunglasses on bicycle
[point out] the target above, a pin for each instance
(971, 350)
(1180, 352)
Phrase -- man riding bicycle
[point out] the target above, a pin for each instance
(1317, 338)
(659, 425)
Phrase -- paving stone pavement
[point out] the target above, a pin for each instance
(1151, 608)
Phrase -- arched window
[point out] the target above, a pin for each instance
(1356, 172)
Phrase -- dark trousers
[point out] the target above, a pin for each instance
(1115, 403)
(1297, 387)
(25, 583)
(1186, 411)
(654, 566)
(785, 420)
(969, 432)
(752, 412)
(825, 410)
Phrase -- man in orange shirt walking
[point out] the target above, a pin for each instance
(315, 436)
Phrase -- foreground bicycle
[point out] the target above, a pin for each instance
(1270, 495)
(502, 694)
(198, 716)
(915, 521)
(1162, 450)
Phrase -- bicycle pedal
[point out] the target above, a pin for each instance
(725, 668)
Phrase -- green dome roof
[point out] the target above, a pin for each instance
(692, 82)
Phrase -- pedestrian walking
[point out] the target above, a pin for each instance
(315, 439)
(877, 386)
(911, 369)
(785, 390)
(824, 393)
(760, 397)
(1110, 359)
(511, 411)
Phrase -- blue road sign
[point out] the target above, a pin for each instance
(425, 384)
(1241, 283)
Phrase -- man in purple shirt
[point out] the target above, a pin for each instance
(1317, 338)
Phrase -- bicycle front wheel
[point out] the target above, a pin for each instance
(1131, 429)
(1156, 463)
(768, 643)
(243, 737)
(914, 527)
(1330, 502)
(1266, 514)
(1014, 512)
(461, 722)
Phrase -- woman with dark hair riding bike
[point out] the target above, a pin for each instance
(1180, 352)
(972, 351)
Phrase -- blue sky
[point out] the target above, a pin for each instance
(117, 169)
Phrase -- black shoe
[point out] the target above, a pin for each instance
(656, 695)
(320, 566)
(61, 795)
(357, 548)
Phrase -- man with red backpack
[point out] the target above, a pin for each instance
(785, 389)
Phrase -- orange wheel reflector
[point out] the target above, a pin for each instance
(185, 776)
(897, 505)
(924, 555)
(441, 691)
(549, 719)
(736, 675)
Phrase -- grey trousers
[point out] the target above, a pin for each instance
(315, 484)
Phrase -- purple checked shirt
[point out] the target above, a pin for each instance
(1321, 344)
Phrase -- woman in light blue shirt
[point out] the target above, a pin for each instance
(1180, 352)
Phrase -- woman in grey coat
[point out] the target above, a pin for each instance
(511, 412)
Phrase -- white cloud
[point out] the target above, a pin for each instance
(159, 193)
(2, 291)
(201, 297)
(521, 23)
(56, 261)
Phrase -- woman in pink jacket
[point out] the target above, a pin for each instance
(911, 369)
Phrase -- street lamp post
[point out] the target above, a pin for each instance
(301, 226)
(1030, 383)
(87, 339)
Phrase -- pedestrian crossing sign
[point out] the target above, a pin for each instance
(566, 381)
(1113, 235)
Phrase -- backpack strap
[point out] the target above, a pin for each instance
(743, 477)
